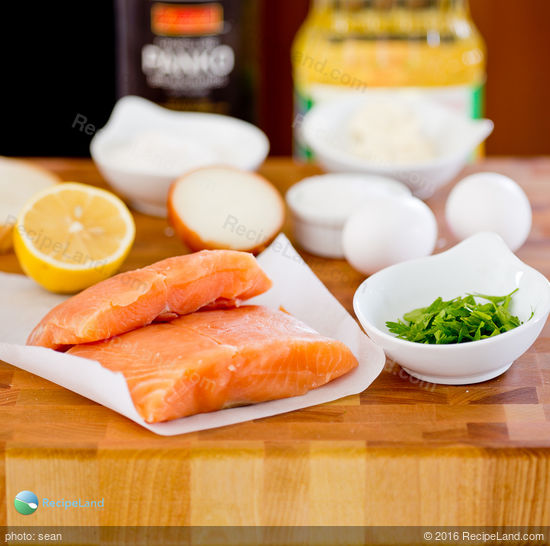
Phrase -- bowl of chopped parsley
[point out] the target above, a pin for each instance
(459, 317)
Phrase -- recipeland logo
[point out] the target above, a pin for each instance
(26, 503)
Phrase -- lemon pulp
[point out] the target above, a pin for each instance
(72, 235)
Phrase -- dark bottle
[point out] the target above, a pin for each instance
(188, 55)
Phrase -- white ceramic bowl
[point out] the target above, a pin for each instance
(321, 205)
(225, 140)
(483, 264)
(325, 131)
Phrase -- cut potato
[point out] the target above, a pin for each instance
(19, 181)
(225, 208)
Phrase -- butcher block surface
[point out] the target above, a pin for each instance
(404, 452)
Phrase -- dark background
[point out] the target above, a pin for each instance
(59, 61)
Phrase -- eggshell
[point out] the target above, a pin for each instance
(388, 230)
(489, 202)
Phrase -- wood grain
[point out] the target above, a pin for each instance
(402, 452)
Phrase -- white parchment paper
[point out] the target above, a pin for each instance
(296, 289)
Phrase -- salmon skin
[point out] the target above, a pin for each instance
(162, 291)
(218, 359)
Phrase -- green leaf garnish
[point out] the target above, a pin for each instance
(458, 320)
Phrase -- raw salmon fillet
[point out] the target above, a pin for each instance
(162, 291)
(218, 359)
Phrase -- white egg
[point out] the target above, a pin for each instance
(388, 230)
(489, 202)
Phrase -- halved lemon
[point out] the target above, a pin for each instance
(72, 235)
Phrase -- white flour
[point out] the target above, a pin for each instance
(162, 153)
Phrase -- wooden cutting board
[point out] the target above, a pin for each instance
(403, 452)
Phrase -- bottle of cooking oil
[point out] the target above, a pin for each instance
(386, 46)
